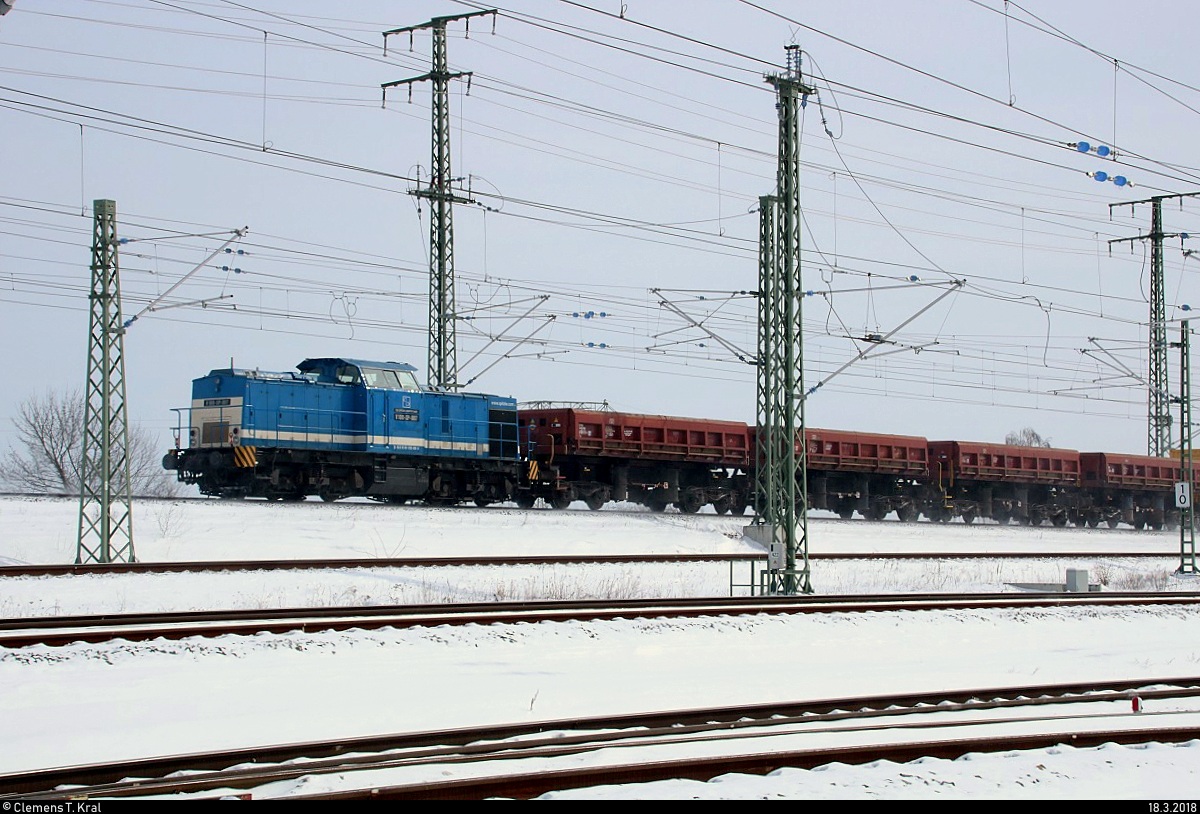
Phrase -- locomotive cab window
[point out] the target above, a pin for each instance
(348, 374)
(390, 379)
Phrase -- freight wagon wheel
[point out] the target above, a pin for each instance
(560, 502)
(655, 505)
(1000, 516)
(526, 501)
(906, 514)
(1059, 520)
(1093, 521)
(739, 506)
(879, 510)
(690, 503)
(968, 517)
(722, 505)
(482, 501)
(1113, 522)
(846, 514)
(595, 500)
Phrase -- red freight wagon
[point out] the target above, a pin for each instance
(902, 455)
(611, 434)
(597, 456)
(1105, 469)
(951, 461)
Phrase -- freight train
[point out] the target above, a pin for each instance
(352, 428)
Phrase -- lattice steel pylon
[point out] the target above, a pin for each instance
(105, 486)
(781, 504)
(1158, 408)
(1185, 495)
(443, 353)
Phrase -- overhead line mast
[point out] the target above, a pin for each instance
(1158, 411)
(443, 354)
(105, 486)
(781, 505)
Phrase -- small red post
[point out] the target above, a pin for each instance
(1137, 703)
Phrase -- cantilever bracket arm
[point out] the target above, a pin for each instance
(866, 352)
(238, 234)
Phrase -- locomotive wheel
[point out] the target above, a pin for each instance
(482, 501)
(329, 497)
(526, 501)
(595, 500)
(560, 502)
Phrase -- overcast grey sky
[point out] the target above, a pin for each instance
(615, 163)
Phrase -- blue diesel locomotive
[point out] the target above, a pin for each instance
(345, 427)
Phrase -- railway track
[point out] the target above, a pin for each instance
(696, 744)
(64, 630)
(208, 566)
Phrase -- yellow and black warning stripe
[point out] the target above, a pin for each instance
(244, 457)
(533, 470)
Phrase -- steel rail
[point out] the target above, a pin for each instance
(57, 631)
(202, 566)
(479, 743)
(525, 786)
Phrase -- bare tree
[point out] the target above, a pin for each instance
(49, 448)
(1027, 437)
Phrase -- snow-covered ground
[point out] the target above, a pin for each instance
(84, 703)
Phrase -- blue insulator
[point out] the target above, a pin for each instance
(1185, 307)
(914, 279)
(602, 314)
(575, 314)
(1100, 175)
(1102, 151)
(1120, 180)
(1083, 147)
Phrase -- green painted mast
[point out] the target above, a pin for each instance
(105, 498)
(781, 504)
(443, 352)
(1185, 491)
